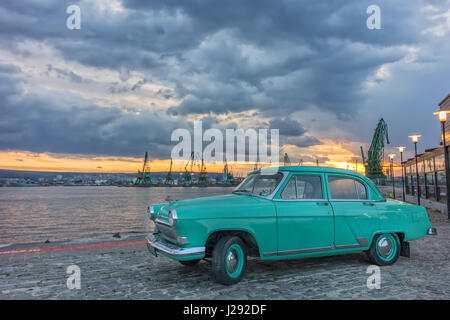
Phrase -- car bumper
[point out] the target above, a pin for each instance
(157, 246)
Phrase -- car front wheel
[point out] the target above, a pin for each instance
(229, 260)
(385, 249)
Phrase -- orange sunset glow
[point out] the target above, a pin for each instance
(29, 161)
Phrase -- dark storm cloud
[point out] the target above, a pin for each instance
(302, 142)
(309, 53)
(50, 122)
(287, 127)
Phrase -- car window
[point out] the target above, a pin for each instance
(303, 187)
(309, 187)
(346, 188)
(289, 191)
(266, 184)
(361, 189)
(259, 184)
(247, 184)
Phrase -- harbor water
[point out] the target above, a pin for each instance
(81, 214)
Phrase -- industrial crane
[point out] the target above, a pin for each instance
(188, 171)
(227, 175)
(203, 176)
(143, 177)
(375, 155)
(169, 178)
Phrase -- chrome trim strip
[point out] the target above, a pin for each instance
(270, 254)
(179, 240)
(362, 242)
(168, 232)
(283, 253)
(172, 250)
(302, 200)
(158, 220)
(174, 214)
(354, 200)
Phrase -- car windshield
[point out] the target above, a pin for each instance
(259, 184)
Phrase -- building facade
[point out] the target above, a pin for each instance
(432, 181)
(431, 166)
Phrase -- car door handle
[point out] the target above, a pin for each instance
(322, 203)
(369, 203)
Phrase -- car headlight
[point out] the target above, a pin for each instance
(151, 212)
(172, 217)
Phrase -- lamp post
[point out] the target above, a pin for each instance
(401, 149)
(391, 157)
(415, 139)
(443, 119)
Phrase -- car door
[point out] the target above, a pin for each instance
(355, 214)
(304, 216)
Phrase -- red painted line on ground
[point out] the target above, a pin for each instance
(75, 247)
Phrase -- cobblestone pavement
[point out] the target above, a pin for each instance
(132, 273)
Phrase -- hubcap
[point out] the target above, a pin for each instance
(384, 247)
(232, 261)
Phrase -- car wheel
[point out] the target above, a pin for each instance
(190, 263)
(385, 249)
(229, 260)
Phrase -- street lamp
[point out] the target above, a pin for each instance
(391, 156)
(415, 139)
(401, 149)
(443, 118)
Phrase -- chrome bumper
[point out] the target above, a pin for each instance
(172, 250)
(168, 232)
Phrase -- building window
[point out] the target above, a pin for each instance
(441, 185)
(421, 165)
(408, 170)
(439, 162)
(430, 186)
(429, 165)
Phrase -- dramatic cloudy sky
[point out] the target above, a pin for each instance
(136, 70)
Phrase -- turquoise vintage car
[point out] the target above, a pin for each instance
(293, 212)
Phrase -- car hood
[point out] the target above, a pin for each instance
(209, 204)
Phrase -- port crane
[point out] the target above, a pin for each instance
(169, 178)
(375, 155)
(227, 175)
(188, 171)
(203, 176)
(143, 177)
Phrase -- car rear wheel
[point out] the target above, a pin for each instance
(190, 263)
(385, 249)
(229, 260)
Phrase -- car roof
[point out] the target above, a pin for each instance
(317, 169)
